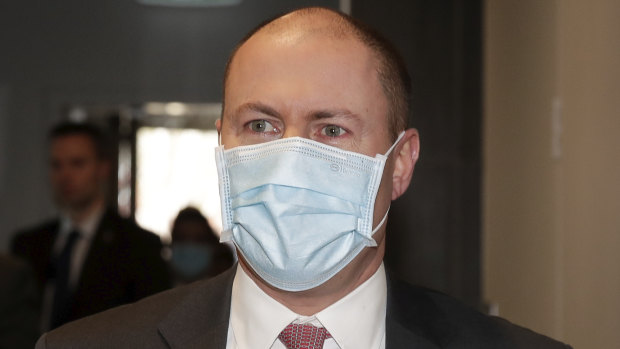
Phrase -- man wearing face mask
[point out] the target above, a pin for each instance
(314, 148)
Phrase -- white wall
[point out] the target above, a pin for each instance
(552, 167)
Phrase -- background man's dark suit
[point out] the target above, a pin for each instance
(197, 315)
(19, 305)
(123, 264)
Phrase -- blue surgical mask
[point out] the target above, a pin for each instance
(298, 210)
(190, 260)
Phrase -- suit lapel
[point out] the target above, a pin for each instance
(401, 337)
(43, 249)
(201, 320)
(413, 320)
(103, 249)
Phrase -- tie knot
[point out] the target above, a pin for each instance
(303, 336)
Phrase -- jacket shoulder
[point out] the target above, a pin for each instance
(449, 323)
(127, 326)
(33, 237)
(489, 331)
(35, 231)
(143, 324)
(128, 228)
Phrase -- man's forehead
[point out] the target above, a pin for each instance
(72, 138)
(72, 144)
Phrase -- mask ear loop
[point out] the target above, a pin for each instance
(400, 136)
(381, 223)
(219, 134)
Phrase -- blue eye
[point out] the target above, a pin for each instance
(333, 131)
(261, 126)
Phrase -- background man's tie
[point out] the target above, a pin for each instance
(62, 291)
(297, 336)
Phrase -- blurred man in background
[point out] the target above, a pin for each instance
(89, 258)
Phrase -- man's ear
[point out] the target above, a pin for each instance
(406, 155)
(104, 173)
(218, 125)
(104, 168)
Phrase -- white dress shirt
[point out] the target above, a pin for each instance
(355, 321)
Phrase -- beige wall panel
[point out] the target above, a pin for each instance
(590, 84)
(552, 210)
(519, 260)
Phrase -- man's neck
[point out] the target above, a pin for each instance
(80, 214)
(312, 301)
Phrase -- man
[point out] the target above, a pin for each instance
(314, 148)
(89, 259)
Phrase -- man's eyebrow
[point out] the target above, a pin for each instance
(261, 108)
(257, 107)
(333, 113)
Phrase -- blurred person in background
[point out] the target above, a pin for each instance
(196, 250)
(19, 304)
(87, 259)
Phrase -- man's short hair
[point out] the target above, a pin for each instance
(392, 71)
(92, 132)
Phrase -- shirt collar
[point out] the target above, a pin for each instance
(87, 228)
(256, 319)
(358, 319)
(354, 321)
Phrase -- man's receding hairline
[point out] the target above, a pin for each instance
(314, 21)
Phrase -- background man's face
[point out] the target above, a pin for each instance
(77, 174)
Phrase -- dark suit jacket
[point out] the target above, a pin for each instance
(123, 264)
(196, 316)
(19, 305)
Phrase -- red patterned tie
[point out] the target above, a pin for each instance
(297, 336)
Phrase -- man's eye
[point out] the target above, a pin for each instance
(333, 131)
(261, 126)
